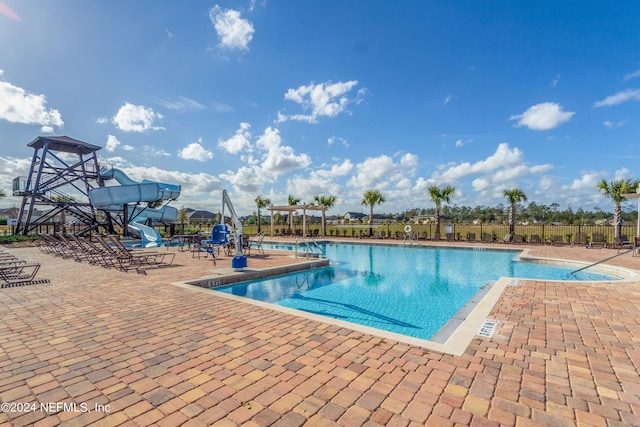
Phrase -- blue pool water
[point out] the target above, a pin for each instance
(412, 291)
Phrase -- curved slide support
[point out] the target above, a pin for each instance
(149, 235)
(113, 198)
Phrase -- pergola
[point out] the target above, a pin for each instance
(290, 209)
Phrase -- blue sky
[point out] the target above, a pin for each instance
(301, 98)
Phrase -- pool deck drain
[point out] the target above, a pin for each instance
(563, 353)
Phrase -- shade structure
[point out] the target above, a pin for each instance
(293, 208)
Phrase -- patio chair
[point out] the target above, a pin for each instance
(256, 242)
(219, 237)
(506, 239)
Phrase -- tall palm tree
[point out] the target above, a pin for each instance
(514, 196)
(327, 202)
(292, 201)
(372, 198)
(261, 202)
(439, 195)
(614, 190)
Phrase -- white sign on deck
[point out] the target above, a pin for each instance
(487, 328)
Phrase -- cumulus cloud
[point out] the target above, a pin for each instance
(279, 159)
(269, 159)
(19, 106)
(321, 100)
(233, 31)
(195, 151)
(544, 116)
(239, 142)
(619, 98)
(382, 171)
(113, 143)
(136, 118)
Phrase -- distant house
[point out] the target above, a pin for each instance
(200, 217)
(353, 216)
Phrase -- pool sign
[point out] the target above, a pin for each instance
(488, 327)
(12, 221)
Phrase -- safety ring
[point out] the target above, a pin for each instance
(407, 228)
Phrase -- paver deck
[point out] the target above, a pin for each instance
(103, 347)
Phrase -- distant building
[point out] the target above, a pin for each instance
(200, 217)
(353, 216)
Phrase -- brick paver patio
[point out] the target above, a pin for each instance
(130, 349)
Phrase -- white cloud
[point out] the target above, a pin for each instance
(19, 106)
(610, 124)
(320, 100)
(239, 142)
(182, 103)
(234, 32)
(382, 171)
(136, 118)
(113, 143)
(195, 151)
(153, 151)
(544, 116)
(47, 130)
(619, 98)
(335, 139)
(279, 159)
(632, 75)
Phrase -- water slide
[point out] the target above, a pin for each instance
(113, 198)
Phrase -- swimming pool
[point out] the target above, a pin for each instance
(412, 291)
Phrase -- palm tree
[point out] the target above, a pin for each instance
(439, 195)
(327, 202)
(513, 197)
(261, 202)
(614, 190)
(372, 198)
(292, 201)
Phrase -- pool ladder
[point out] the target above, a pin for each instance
(410, 238)
(311, 247)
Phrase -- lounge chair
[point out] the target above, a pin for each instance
(581, 239)
(518, 239)
(450, 237)
(487, 238)
(535, 239)
(423, 235)
(19, 275)
(471, 237)
(506, 239)
(557, 240)
(623, 242)
(597, 239)
(125, 258)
